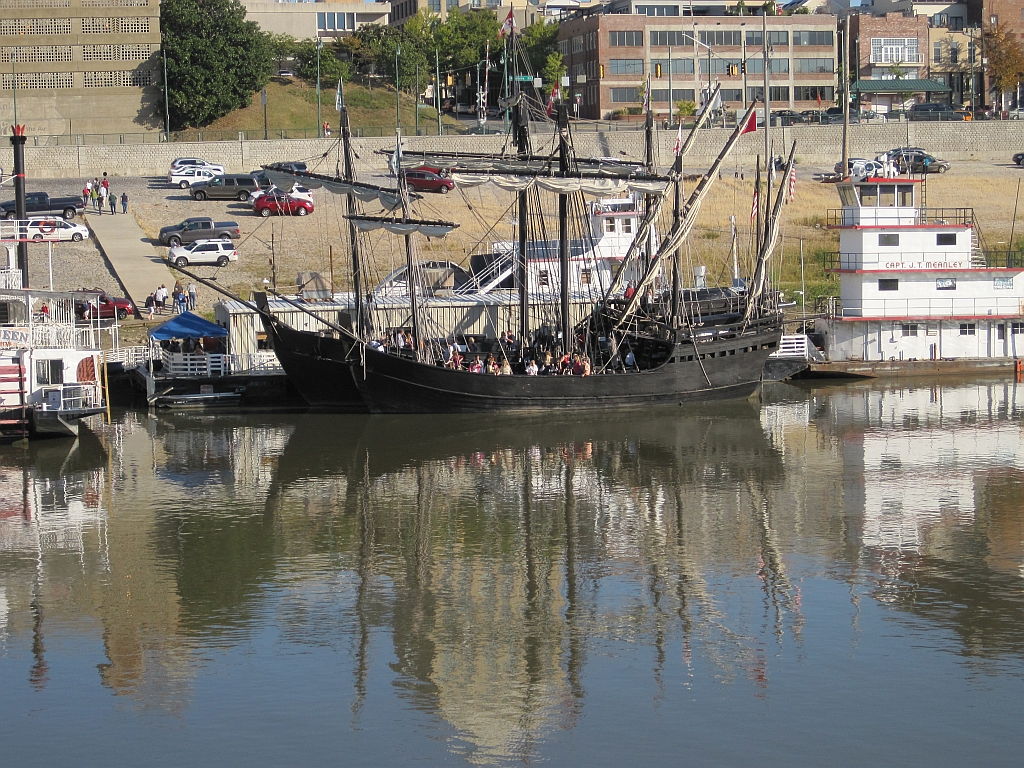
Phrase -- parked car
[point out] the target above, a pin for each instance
(919, 161)
(198, 228)
(55, 229)
(295, 165)
(814, 116)
(228, 187)
(211, 252)
(1019, 158)
(40, 203)
(860, 166)
(103, 307)
(268, 204)
(1016, 114)
(187, 176)
(297, 191)
(196, 162)
(787, 117)
(428, 181)
(932, 111)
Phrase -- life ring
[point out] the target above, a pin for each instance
(48, 228)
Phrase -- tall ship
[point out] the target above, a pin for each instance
(586, 328)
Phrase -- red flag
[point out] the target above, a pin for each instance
(509, 27)
(552, 99)
(792, 184)
(754, 206)
(751, 125)
(819, 101)
(679, 140)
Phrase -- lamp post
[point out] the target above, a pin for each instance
(319, 116)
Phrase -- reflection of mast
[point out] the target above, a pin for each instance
(366, 541)
(575, 661)
(773, 574)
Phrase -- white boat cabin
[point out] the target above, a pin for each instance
(914, 281)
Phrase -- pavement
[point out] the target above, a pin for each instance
(139, 267)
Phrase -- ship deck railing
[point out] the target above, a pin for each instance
(898, 217)
(190, 365)
(837, 261)
(925, 308)
(71, 397)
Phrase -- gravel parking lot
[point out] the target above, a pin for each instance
(287, 245)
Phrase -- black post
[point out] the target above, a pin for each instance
(523, 144)
(18, 143)
(563, 226)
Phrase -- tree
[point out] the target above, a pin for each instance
(216, 59)
(539, 41)
(554, 70)
(331, 67)
(1005, 58)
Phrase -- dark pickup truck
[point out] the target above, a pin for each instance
(198, 228)
(37, 203)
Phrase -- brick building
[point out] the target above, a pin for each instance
(81, 66)
(608, 57)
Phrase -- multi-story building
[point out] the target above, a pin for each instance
(321, 19)
(75, 67)
(608, 57)
(956, 62)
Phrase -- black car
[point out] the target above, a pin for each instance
(1019, 158)
(293, 166)
(787, 117)
(934, 112)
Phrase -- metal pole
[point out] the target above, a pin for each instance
(437, 88)
(563, 227)
(14, 84)
(803, 285)
(319, 116)
(263, 98)
(273, 262)
(167, 101)
(417, 99)
(671, 111)
(18, 144)
(846, 94)
(769, 162)
(398, 102)
(49, 258)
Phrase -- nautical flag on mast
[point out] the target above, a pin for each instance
(552, 99)
(647, 94)
(509, 27)
(756, 204)
(792, 184)
(339, 98)
(679, 141)
(751, 125)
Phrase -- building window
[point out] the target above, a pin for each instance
(812, 38)
(937, 53)
(888, 239)
(625, 95)
(628, 38)
(814, 92)
(888, 284)
(815, 66)
(544, 278)
(332, 22)
(720, 66)
(563, 47)
(41, 80)
(657, 10)
(139, 78)
(584, 277)
(721, 37)
(35, 26)
(894, 50)
(776, 93)
(733, 94)
(609, 224)
(1017, 329)
(129, 25)
(946, 239)
(678, 94)
(626, 67)
(679, 66)
(673, 38)
(36, 53)
(954, 53)
(49, 372)
(945, 284)
(104, 3)
(908, 329)
(116, 52)
(1002, 283)
(577, 44)
(1001, 332)
(968, 329)
(774, 38)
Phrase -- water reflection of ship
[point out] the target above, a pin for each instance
(501, 533)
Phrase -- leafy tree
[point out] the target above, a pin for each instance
(554, 70)
(1005, 58)
(540, 40)
(216, 59)
(331, 67)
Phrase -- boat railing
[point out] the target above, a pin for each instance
(71, 397)
(837, 261)
(10, 278)
(261, 361)
(52, 335)
(798, 346)
(960, 308)
(190, 364)
(129, 357)
(898, 217)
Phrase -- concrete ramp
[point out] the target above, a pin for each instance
(138, 265)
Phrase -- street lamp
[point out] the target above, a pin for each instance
(319, 116)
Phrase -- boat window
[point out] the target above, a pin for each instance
(948, 238)
(887, 196)
(888, 239)
(846, 195)
(889, 284)
(905, 193)
(609, 224)
(49, 372)
(627, 226)
(5, 312)
(543, 278)
(869, 195)
(945, 284)
(584, 277)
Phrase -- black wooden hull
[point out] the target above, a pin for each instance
(318, 367)
(391, 384)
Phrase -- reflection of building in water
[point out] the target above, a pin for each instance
(924, 455)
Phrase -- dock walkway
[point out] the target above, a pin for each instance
(137, 264)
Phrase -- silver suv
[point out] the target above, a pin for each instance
(211, 252)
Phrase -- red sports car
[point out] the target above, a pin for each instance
(286, 204)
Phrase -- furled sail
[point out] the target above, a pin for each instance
(407, 227)
(367, 193)
(590, 186)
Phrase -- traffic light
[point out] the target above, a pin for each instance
(743, 67)
(732, 70)
(601, 70)
(657, 70)
(451, 79)
(468, 79)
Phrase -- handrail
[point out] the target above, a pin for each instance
(853, 217)
(837, 261)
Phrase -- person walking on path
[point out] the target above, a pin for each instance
(103, 198)
(106, 184)
(161, 297)
(94, 195)
(124, 202)
(150, 306)
(86, 193)
(192, 296)
(112, 199)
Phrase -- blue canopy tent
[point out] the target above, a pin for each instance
(187, 326)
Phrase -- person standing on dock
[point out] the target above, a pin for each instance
(192, 296)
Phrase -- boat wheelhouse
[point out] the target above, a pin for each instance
(915, 282)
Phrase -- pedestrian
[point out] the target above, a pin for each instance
(86, 193)
(161, 299)
(124, 202)
(106, 184)
(103, 198)
(192, 291)
(181, 306)
(94, 195)
(150, 306)
(112, 199)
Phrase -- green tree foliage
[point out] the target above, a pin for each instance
(540, 41)
(331, 67)
(553, 71)
(1005, 58)
(216, 59)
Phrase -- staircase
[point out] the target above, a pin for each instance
(14, 421)
(495, 273)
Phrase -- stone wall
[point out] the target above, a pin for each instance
(817, 147)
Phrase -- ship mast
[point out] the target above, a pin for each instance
(769, 163)
(350, 210)
(522, 141)
(563, 225)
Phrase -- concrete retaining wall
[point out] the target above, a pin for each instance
(817, 146)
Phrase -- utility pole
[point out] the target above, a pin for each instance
(846, 94)
(398, 101)
(671, 104)
(437, 88)
(319, 116)
(263, 101)
(417, 99)
(167, 101)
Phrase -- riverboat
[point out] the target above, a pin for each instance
(917, 283)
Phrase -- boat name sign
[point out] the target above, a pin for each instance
(15, 337)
